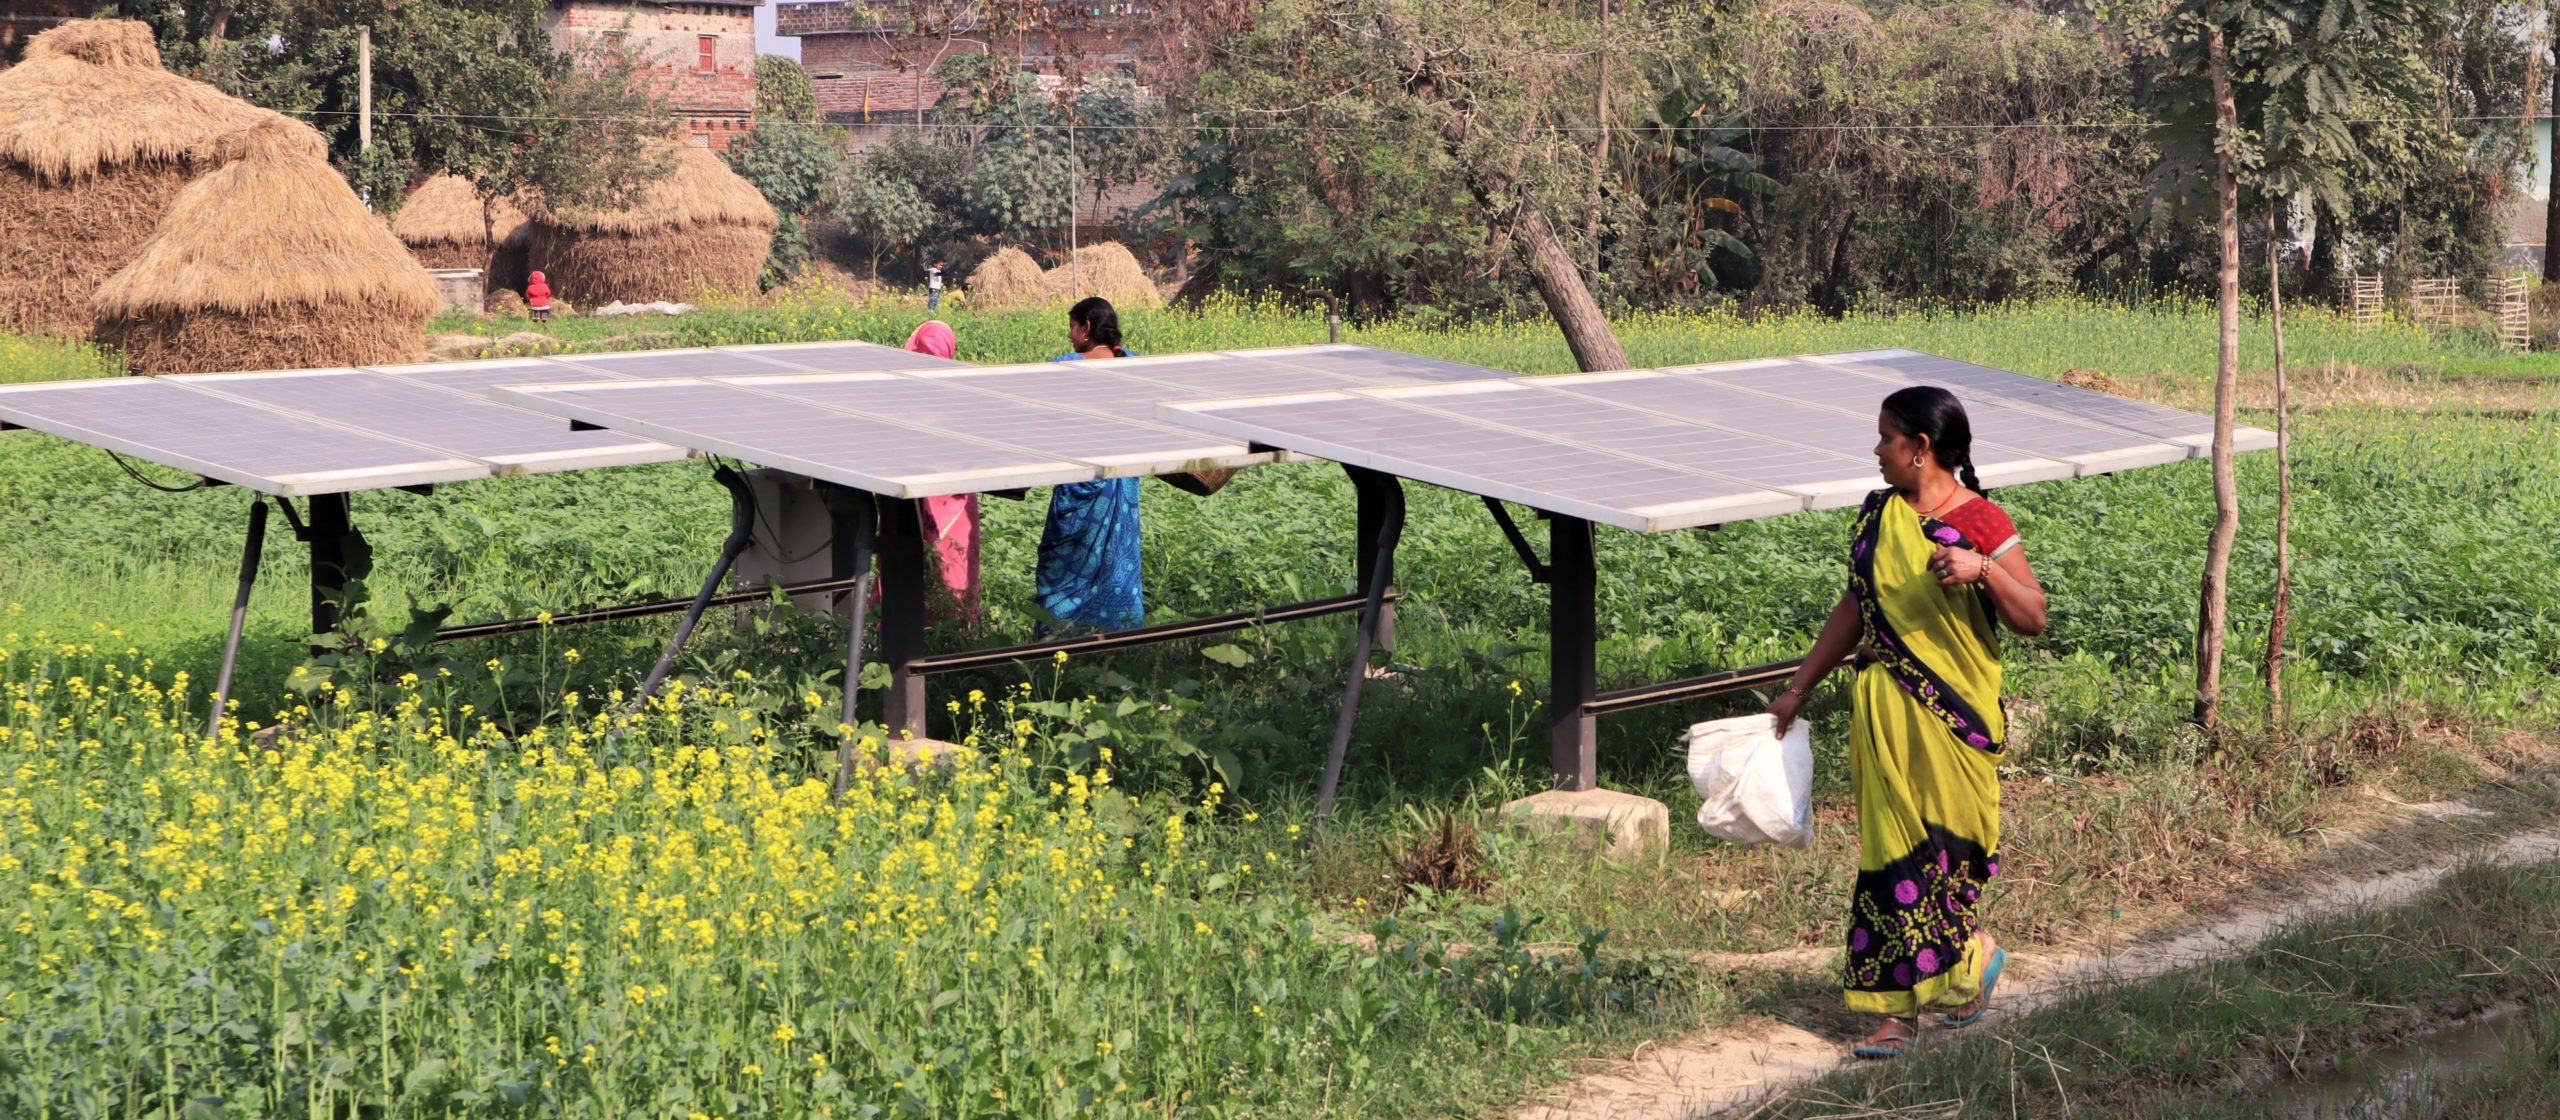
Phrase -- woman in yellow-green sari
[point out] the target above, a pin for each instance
(1934, 571)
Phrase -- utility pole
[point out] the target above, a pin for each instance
(364, 87)
(1600, 116)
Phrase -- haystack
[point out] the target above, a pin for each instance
(270, 262)
(701, 227)
(1108, 270)
(95, 141)
(1008, 278)
(446, 225)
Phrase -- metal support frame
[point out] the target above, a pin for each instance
(338, 556)
(856, 516)
(1377, 503)
(1574, 701)
(251, 551)
(1184, 630)
(902, 600)
(1573, 674)
(1383, 493)
(742, 519)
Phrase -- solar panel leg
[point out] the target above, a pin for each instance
(742, 519)
(250, 551)
(339, 557)
(1373, 515)
(856, 516)
(1573, 674)
(902, 597)
(1385, 494)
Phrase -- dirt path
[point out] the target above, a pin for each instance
(1733, 1067)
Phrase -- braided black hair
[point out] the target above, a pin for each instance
(1101, 321)
(1927, 410)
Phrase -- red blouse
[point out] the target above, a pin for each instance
(1983, 523)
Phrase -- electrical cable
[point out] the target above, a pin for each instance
(199, 484)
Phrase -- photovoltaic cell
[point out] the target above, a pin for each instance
(221, 438)
(1539, 409)
(2049, 397)
(654, 364)
(511, 440)
(1377, 431)
(1840, 432)
(1119, 447)
(840, 357)
(477, 378)
(895, 459)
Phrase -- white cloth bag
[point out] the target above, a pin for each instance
(1757, 787)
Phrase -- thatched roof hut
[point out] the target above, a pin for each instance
(1008, 278)
(446, 225)
(699, 227)
(270, 262)
(95, 140)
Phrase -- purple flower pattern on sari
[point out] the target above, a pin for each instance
(1913, 919)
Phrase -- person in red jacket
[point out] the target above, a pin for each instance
(537, 296)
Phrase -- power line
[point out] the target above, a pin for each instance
(2009, 126)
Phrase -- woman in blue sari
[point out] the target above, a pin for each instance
(1089, 555)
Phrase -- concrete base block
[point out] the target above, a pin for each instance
(1622, 826)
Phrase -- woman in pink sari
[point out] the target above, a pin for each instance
(951, 523)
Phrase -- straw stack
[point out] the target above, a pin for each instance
(1108, 270)
(700, 228)
(446, 225)
(270, 262)
(1008, 278)
(96, 140)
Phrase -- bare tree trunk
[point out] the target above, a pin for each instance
(2280, 614)
(2551, 177)
(2213, 614)
(1586, 330)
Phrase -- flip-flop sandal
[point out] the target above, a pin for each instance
(1887, 1042)
(1982, 1003)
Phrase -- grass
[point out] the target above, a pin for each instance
(2425, 640)
(2200, 1042)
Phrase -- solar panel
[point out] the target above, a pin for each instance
(1652, 450)
(1540, 408)
(884, 457)
(477, 378)
(1838, 432)
(167, 422)
(2049, 397)
(2093, 449)
(1119, 448)
(1380, 430)
(510, 440)
(840, 357)
(649, 364)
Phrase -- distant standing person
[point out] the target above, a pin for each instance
(1935, 569)
(951, 523)
(1089, 551)
(933, 285)
(537, 297)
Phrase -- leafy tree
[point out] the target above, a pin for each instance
(472, 87)
(798, 167)
(784, 91)
(1370, 143)
(1024, 178)
(886, 210)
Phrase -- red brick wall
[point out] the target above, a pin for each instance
(22, 19)
(667, 38)
(859, 59)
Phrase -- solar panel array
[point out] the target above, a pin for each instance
(325, 431)
(1653, 450)
(957, 430)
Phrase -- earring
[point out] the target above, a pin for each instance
(1915, 460)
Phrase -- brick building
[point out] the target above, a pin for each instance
(703, 53)
(23, 19)
(869, 68)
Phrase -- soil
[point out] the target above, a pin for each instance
(1736, 1065)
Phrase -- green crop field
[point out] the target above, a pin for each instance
(452, 886)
